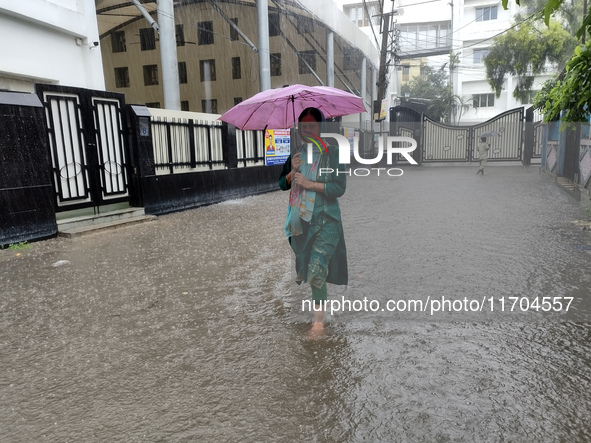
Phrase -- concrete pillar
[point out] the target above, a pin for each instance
(264, 57)
(329, 58)
(168, 56)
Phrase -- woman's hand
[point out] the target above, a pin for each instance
(301, 180)
(296, 161)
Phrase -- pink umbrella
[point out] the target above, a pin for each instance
(279, 108)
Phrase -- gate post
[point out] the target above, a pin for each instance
(27, 195)
(528, 136)
(141, 151)
(229, 146)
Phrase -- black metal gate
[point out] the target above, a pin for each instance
(88, 146)
(406, 122)
(443, 142)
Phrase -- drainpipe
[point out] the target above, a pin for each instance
(146, 15)
(233, 25)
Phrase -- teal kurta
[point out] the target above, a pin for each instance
(321, 254)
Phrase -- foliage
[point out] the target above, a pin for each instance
(572, 94)
(569, 14)
(432, 85)
(543, 95)
(18, 246)
(524, 52)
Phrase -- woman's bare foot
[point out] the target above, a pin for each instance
(316, 331)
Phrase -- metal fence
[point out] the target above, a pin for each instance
(189, 145)
(250, 146)
(185, 145)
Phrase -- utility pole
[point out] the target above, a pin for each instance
(451, 62)
(386, 17)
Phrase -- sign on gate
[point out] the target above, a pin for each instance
(276, 146)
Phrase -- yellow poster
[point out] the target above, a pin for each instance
(383, 109)
(270, 150)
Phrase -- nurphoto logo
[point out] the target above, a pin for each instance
(385, 144)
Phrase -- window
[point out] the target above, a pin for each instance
(274, 29)
(483, 100)
(424, 71)
(182, 72)
(233, 33)
(479, 55)
(153, 105)
(236, 73)
(486, 13)
(405, 72)
(184, 105)
(305, 59)
(209, 106)
(180, 35)
(118, 41)
(205, 33)
(435, 35)
(237, 100)
(147, 39)
(150, 75)
(362, 15)
(305, 25)
(122, 77)
(351, 59)
(207, 70)
(276, 64)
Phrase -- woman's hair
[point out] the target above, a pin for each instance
(314, 112)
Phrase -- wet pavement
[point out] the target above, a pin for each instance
(188, 328)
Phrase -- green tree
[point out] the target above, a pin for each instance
(524, 52)
(433, 85)
(543, 95)
(572, 93)
(569, 14)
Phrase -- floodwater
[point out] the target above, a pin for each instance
(188, 328)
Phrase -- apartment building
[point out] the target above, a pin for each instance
(218, 64)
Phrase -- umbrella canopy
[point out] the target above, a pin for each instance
(279, 108)
(490, 134)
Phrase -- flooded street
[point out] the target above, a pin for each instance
(188, 328)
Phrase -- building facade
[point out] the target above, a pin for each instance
(218, 65)
(49, 41)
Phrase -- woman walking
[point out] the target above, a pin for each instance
(313, 223)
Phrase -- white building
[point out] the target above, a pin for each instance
(49, 41)
(426, 28)
(476, 23)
